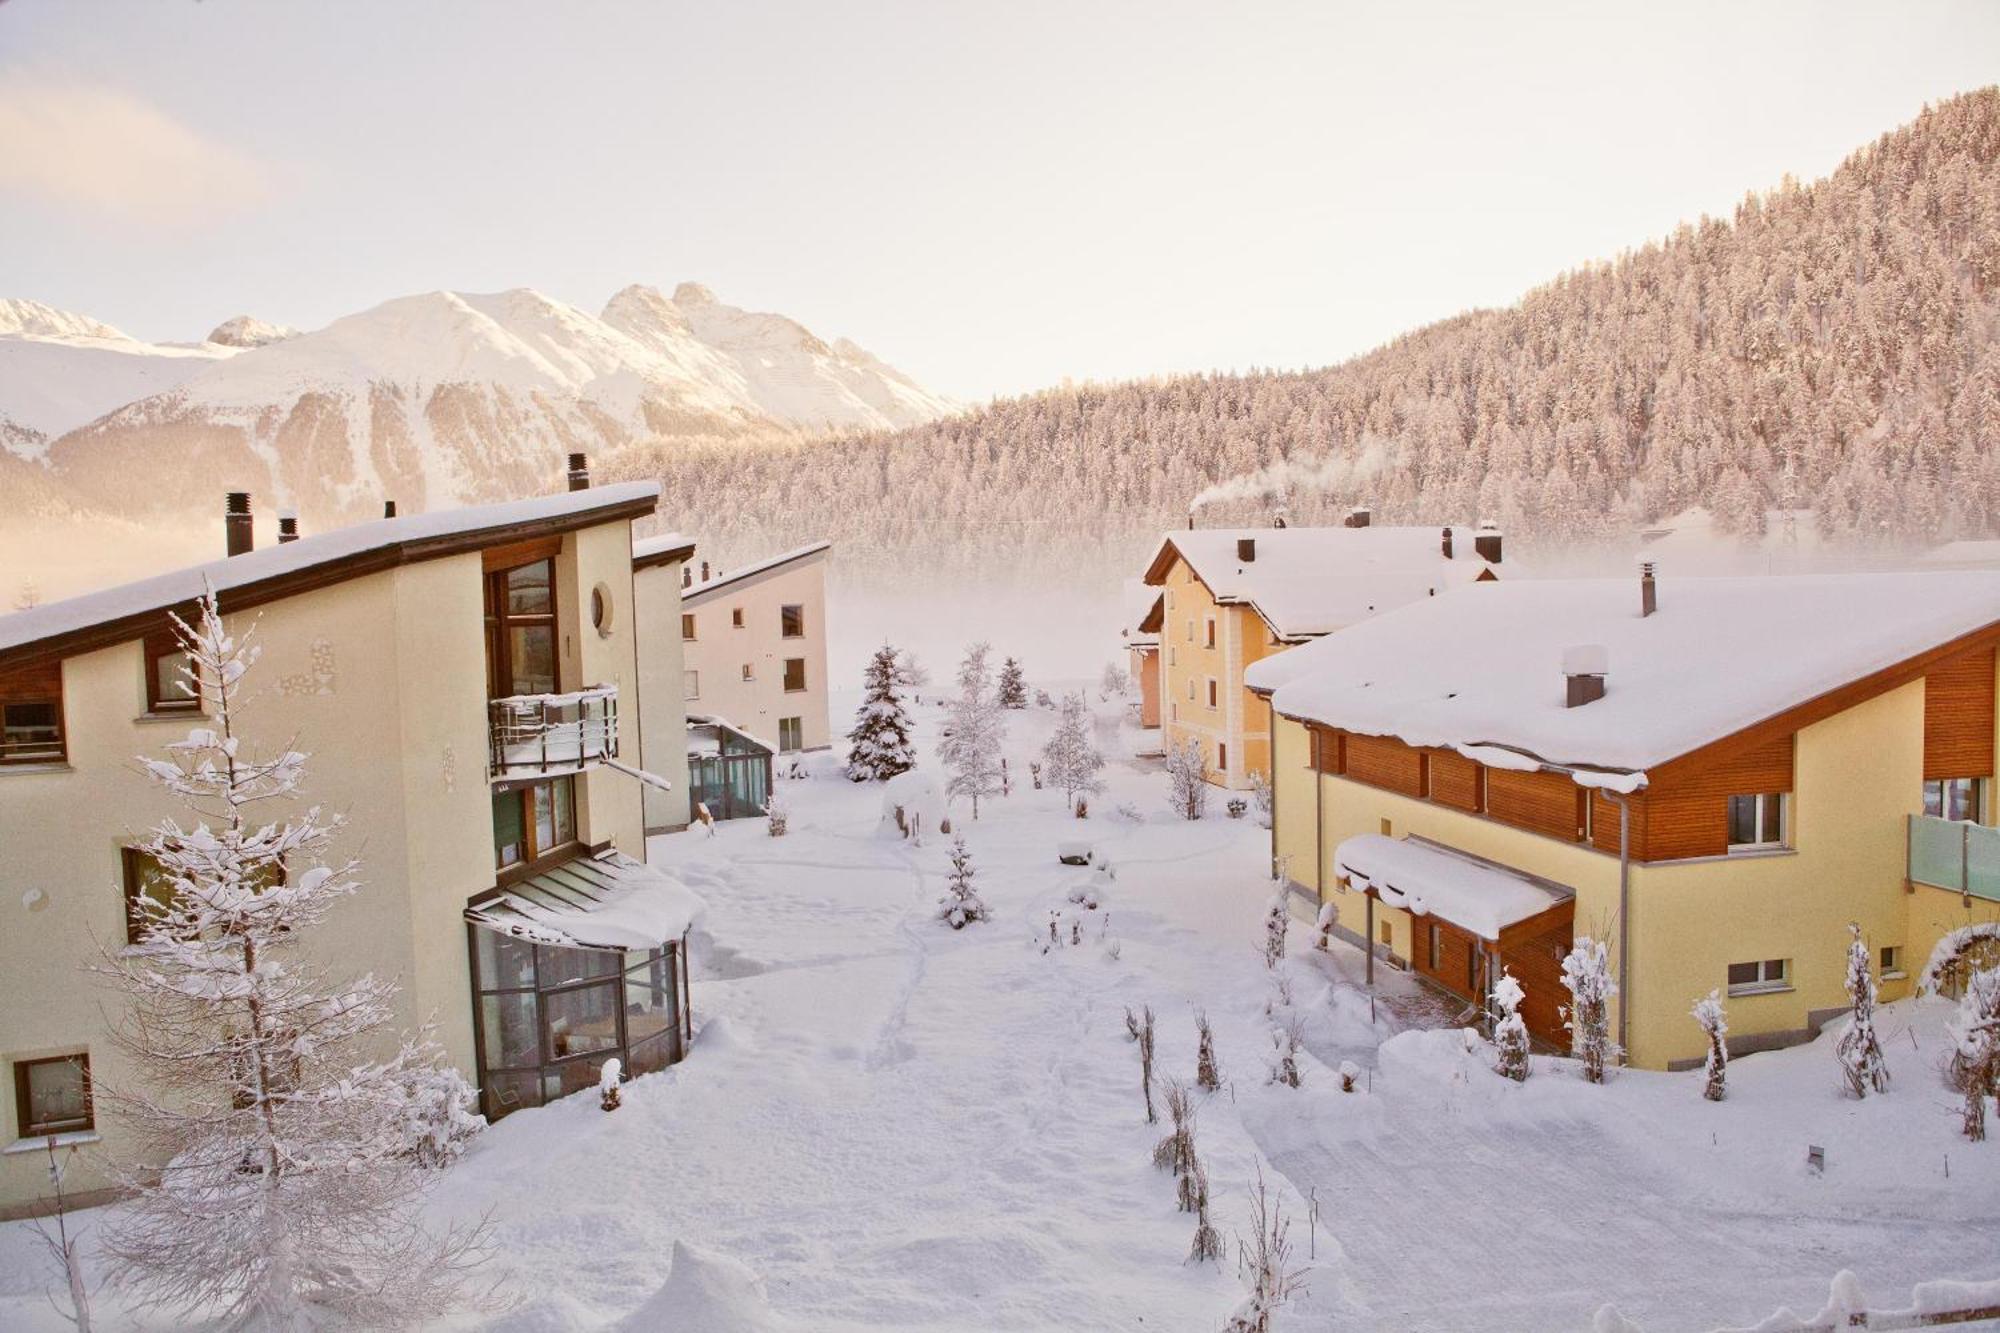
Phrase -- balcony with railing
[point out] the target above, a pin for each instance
(1956, 855)
(544, 735)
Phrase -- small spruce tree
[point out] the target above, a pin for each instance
(879, 745)
(1510, 1033)
(1860, 1054)
(1070, 761)
(961, 902)
(1714, 1023)
(1013, 686)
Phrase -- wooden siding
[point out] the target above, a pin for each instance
(40, 680)
(1958, 716)
(1329, 750)
(1454, 780)
(1383, 761)
(1456, 948)
(1535, 959)
(1540, 802)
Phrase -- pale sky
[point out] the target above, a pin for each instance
(993, 197)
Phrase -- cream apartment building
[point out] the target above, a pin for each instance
(1230, 597)
(659, 568)
(464, 683)
(753, 641)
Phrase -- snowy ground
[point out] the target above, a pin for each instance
(887, 1124)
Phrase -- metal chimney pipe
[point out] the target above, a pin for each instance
(236, 535)
(579, 472)
(288, 526)
(1649, 591)
(1445, 542)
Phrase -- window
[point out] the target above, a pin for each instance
(521, 630)
(687, 626)
(791, 733)
(1756, 821)
(792, 622)
(736, 616)
(1772, 974)
(1211, 692)
(748, 672)
(169, 688)
(1435, 943)
(795, 674)
(691, 684)
(1221, 757)
(1892, 960)
(1170, 655)
(1962, 799)
(600, 611)
(1209, 632)
(532, 821)
(1173, 712)
(31, 731)
(52, 1096)
(147, 881)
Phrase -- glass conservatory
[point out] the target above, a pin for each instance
(572, 967)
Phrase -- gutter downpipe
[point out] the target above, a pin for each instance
(1624, 913)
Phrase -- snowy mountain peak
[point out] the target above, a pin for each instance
(641, 310)
(693, 293)
(33, 319)
(249, 331)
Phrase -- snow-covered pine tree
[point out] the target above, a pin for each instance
(1860, 1054)
(1013, 685)
(1070, 760)
(1968, 960)
(277, 1176)
(1277, 921)
(1187, 779)
(879, 746)
(1115, 680)
(961, 902)
(971, 747)
(1587, 978)
(1714, 1023)
(1510, 1033)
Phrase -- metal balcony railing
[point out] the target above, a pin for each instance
(535, 734)
(1956, 855)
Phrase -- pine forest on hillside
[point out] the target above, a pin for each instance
(1832, 345)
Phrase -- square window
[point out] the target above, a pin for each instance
(145, 882)
(1769, 974)
(1960, 799)
(736, 616)
(52, 1096)
(1756, 822)
(792, 622)
(748, 673)
(1892, 960)
(795, 674)
(687, 626)
(31, 731)
(691, 684)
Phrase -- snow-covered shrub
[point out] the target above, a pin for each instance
(1206, 1076)
(1070, 759)
(1129, 812)
(1967, 960)
(878, 748)
(1714, 1023)
(439, 1115)
(1035, 774)
(911, 802)
(1587, 978)
(1329, 917)
(1207, 1244)
(1510, 1033)
(1013, 686)
(1274, 1275)
(1277, 920)
(608, 1096)
(1042, 699)
(1187, 779)
(1083, 807)
(1142, 1032)
(971, 745)
(776, 818)
(1350, 1076)
(961, 902)
(1236, 807)
(271, 1171)
(1175, 1152)
(1263, 796)
(1286, 1039)
(1115, 679)
(1860, 1054)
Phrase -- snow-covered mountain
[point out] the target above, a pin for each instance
(437, 398)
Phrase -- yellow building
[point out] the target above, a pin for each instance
(1715, 776)
(464, 685)
(1233, 596)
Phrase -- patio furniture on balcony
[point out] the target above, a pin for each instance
(540, 735)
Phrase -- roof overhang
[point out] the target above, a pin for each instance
(605, 900)
(702, 592)
(1427, 879)
(664, 555)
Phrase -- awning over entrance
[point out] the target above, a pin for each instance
(604, 901)
(1427, 880)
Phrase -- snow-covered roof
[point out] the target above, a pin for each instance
(394, 540)
(1481, 668)
(1982, 554)
(1306, 582)
(723, 579)
(704, 728)
(1137, 600)
(605, 901)
(668, 546)
(1428, 880)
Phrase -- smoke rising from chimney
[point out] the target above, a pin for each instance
(1291, 475)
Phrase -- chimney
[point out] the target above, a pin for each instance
(388, 509)
(1486, 542)
(687, 576)
(704, 571)
(1649, 591)
(1190, 520)
(288, 526)
(1584, 667)
(1358, 516)
(236, 534)
(1246, 550)
(579, 472)
(1278, 520)
(1444, 542)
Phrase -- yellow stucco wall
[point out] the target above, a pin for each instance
(662, 692)
(1239, 719)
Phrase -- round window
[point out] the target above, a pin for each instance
(600, 610)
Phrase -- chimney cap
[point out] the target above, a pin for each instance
(236, 502)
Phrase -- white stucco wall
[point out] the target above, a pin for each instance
(721, 649)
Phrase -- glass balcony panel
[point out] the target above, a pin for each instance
(1937, 852)
(1983, 861)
